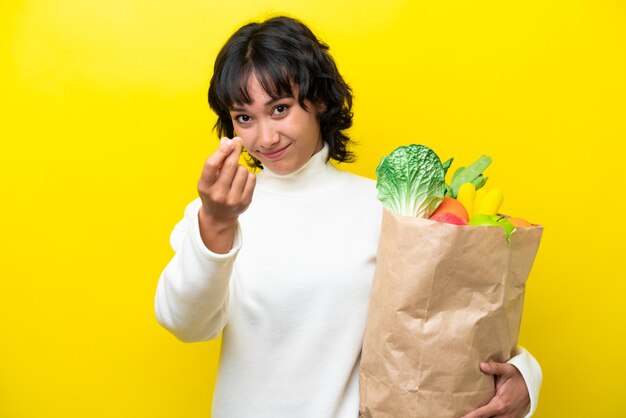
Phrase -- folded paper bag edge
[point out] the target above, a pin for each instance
(379, 364)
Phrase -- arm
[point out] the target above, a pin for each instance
(192, 293)
(517, 387)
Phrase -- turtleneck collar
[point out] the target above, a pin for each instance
(316, 175)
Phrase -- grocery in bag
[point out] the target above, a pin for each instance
(447, 294)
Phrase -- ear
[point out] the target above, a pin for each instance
(321, 107)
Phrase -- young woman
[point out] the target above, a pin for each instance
(281, 263)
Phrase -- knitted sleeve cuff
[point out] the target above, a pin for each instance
(532, 374)
(203, 251)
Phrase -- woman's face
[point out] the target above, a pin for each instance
(279, 133)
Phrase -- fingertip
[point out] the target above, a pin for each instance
(238, 143)
(485, 366)
(226, 144)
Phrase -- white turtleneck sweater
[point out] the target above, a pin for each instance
(290, 299)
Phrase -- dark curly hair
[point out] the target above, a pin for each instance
(282, 52)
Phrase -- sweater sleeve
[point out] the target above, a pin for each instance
(192, 293)
(531, 372)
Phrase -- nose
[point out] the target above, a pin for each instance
(267, 136)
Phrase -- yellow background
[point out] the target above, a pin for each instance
(105, 128)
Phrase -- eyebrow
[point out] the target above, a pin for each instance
(268, 103)
(272, 101)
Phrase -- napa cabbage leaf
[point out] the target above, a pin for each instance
(410, 181)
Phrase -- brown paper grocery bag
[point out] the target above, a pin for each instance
(444, 298)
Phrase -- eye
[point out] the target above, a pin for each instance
(280, 110)
(243, 119)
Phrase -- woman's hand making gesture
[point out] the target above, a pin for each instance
(226, 189)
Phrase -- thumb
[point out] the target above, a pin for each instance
(496, 369)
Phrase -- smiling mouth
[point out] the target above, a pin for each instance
(272, 155)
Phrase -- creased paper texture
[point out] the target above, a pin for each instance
(444, 298)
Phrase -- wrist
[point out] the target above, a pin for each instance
(216, 224)
(218, 235)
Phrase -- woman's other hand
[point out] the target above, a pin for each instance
(226, 189)
(511, 399)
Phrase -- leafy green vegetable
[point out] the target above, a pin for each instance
(479, 181)
(470, 174)
(411, 181)
(457, 172)
(449, 191)
(446, 165)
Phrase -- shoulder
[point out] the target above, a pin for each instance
(360, 189)
(359, 197)
(359, 183)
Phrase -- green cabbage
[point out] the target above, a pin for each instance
(410, 181)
